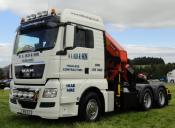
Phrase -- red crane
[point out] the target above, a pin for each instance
(116, 61)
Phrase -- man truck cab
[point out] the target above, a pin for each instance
(65, 64)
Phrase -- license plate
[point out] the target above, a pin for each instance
(26, 112)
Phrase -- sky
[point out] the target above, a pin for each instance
(142, 27)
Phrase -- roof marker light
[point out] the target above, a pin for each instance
(28, 18)
(39, 14)
(33, 16)
(44, 13)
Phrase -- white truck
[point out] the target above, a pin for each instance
(171, 76)
(65, 64)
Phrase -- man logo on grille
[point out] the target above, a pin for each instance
(27, 70)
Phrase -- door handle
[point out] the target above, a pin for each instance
(86, 71)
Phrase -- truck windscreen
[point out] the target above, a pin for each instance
(35, 39)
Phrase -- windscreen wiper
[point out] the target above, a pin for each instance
(23, 51)
(41, 49)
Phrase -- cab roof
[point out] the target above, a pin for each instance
(82, 18)
(67, 15)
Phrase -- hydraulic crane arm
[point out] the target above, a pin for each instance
(115, 49)
(117, 59)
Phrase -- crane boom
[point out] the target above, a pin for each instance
(116, 59)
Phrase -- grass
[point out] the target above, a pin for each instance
(154, 118)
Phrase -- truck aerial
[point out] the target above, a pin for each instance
(65, 64)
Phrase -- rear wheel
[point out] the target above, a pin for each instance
(90, 107)
(162, 97)
(147, 99)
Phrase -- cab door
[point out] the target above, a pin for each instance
(75, 63)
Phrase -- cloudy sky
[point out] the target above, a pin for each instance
(143, 27)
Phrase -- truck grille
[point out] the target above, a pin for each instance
(29, 72)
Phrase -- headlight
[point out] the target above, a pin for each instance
(50, 93)
(20, 94)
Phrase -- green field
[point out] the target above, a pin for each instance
(154, 118)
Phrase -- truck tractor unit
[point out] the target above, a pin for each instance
(65, 64)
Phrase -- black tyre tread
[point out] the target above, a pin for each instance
(166, 100)
(142, 102)
(82, 106)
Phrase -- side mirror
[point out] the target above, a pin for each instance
(69, 37)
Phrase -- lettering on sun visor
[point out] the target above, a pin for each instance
(28, 55)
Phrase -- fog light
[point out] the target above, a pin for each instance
(19, 94)
(31, 94)
(25, 94)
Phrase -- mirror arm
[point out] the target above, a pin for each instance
(64, 52)
(61, 52)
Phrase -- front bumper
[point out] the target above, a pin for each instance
(48, 113)
(48, 108)
(60, 110)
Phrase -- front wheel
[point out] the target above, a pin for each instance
(147, 99)
(90, 107)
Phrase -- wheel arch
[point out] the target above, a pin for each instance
(99, 93)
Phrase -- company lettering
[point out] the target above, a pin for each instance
(80, 56)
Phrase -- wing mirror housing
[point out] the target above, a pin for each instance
(69, 36)
(68, 40)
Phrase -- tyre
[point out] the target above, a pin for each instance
(147, 100)
(162, 97)
(90, 107)
(172, 81)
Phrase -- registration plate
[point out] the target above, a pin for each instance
(26, 112)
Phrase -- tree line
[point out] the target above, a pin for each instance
(147, 61)
(153, 68)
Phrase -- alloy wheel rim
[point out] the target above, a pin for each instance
(92, 109)
(161, 98)
(147, 100)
